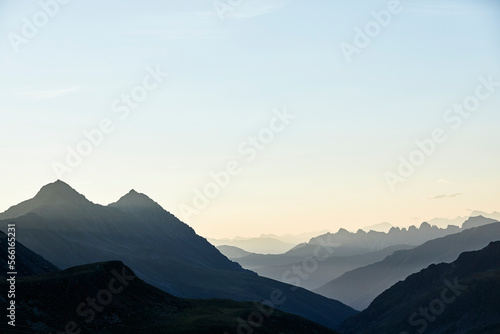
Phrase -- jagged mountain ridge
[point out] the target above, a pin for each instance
(355, 289)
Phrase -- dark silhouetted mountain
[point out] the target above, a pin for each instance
(461, 297)
(108, 298)
(160, 248)
(27, 263)
(54, 194)
(359, 287)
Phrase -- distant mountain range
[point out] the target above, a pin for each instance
(344, 251)
(461, 297)
(68, 230)
(359, 287)
(444, 222)
(232, 252)
(382, 227)
(328, 269)
(107, 297)
(261, 245)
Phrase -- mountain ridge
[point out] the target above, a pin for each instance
(465, 290)
(161, 249)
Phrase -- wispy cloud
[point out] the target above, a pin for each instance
(445, 196)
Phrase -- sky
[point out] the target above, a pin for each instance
(256, 116)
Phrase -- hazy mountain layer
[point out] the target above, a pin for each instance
(359, 287)
(325, 270)
(461, 297)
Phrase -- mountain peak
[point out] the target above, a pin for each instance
(53, 193)
(58, 191)
(134, 199)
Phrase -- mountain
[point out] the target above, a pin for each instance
(458, 221)
(107, 297)
(232, 252)
(346, 249)
(477, 221)
(359, 287)
(343, 244)
(493, 215)
(261, 245)
(373, 240)
(461, 297)
(294, 239)
(27, 263)
(68, 230)
(327, 269)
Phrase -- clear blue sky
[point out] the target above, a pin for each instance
(324, 171)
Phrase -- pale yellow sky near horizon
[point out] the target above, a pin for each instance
(159, 95)
(237, 213)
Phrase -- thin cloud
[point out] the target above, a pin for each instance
(445, 196)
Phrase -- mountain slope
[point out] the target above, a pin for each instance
(232, 252)
(27, 263)
(354, 289)
(471, 306)
(107, 298)
(69, 230)
(327, 269)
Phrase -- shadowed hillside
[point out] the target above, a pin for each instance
(461, 297)
(107, 298)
